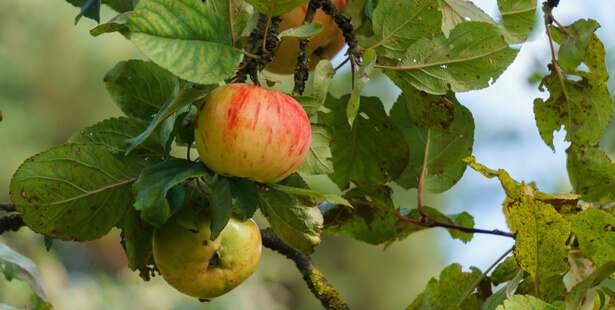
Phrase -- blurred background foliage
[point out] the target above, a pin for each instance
(51, 87)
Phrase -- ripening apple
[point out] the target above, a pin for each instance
(251, 132)
(205, 269)
(325, 45)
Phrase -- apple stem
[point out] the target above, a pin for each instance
(312, 275)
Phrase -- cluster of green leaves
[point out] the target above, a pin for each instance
(120, 172)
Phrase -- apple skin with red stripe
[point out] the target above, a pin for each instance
(324, 45)
(252, 132)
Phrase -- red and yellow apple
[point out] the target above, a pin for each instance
(324, 45)
(196, 266)
(251, 132)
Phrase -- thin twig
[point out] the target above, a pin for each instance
(316, 281)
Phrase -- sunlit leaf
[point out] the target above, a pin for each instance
(185, 38)
(472, 57)
(448, 292)
(460, 11)
(541, 235)
(591, 173)
(574, 43)
(577, 294)
(524, 302)
(583, 107)
(398, 24)
(72, 191)
(519, 19)
(595, 230)
(302, 32)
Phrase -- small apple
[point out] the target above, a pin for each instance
(251, 132)
(205, 269)
(325, 45)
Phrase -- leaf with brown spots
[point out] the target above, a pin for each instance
(595, 230)
(72, 191)
(439, 153)
(591, 173)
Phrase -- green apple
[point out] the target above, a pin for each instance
(251, 132)
(325, 45)
(196, 266)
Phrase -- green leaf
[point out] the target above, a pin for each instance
(117, 23)
(140, 88)
(509, 290)
(138, 236)
(185, 38)
(240, 13)
(318, 159)
(449, 291)
(505, 271)
(425, 110)
(440, 152)
(541, 234)
(295, 218)
(463, 219)
(363, 77)
(112, 135)
(519, 19)
(472, 57)
(151, 188)
(302, 32)
(404, 229)
(72, 191)
(245, 195)
(301, 191)
(373, 151)
(221, 207)
(184, 98)
(276, 7)
(595, 230)
(525, 302)
(121, 5)
(584, 108)
(91, 10)
(17, 266)
(574, 43)
(591, 173)
(540, 231)
(370, 219)
(398, 24)
(576, 296)
(460, 11)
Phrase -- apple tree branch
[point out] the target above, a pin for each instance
(316, 281)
